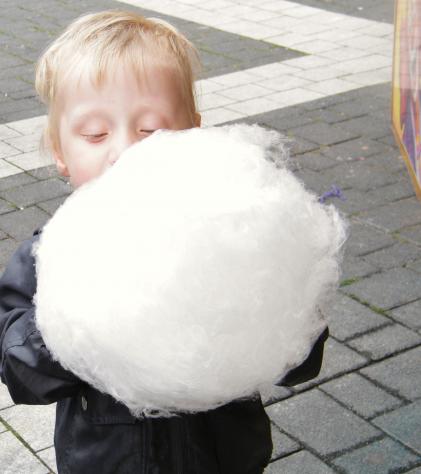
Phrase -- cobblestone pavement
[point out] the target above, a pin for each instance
(318, 71)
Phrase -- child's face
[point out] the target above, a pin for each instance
(97, 123)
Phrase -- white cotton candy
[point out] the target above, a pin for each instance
(190, 273)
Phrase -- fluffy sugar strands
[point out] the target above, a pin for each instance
(189, 274)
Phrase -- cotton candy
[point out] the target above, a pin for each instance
(190, 273)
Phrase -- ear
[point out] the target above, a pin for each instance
(197, 119)
(60, 164)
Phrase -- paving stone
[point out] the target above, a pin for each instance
(355, 267)
(45, 172)
(416, 266)
(323, 134)
(42, 416)
(403, 424)
(16, 458)
(396, 215)
(275, 394)
(360, 175)
(399, 373)
(377, 458)
(387, 290)
(49, 457)
(360, 395)
(395, 256)
(302, 463)
(357, 149)
(15, 180)
(385, 341)
(314, 181)
(315, 161)
(52, 205)
(5, 400)
(358, 201)
(409, 314)
(282, 444)
(354, 108)
(337, 359)
(282, 120)
(7, 247)
(21, 224)
(363, 239)
(347, 317)
(37, 192)
(413, 233)
(368, 127)
(301, 145)
(321, 423)
(6, 207)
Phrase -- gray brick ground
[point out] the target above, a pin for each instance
(5, 400)
(416, 266)
(400, 373)
(357, 201)
(7, 247)
(364, 239)
(395, 216)
(403, 424)
(302, 462)
(52, 205)
(385, 341)
(387, 290)
(338, 359)
(377, 458)
(282, 444)
(347, 318)
(412, 233)
(355, 268)
(323, 133)
(379, 10)
(409, 314)
(49, 457)
(15, 181)
(41, 416)
(21, 224)
(16, 458)
(321, 423)
(396, 256)
(32, 193)
(361, 147)
(315, 161)
(360, 175)
(6, 207)
(360, 395)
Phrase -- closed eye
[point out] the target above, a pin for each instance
(94, 137)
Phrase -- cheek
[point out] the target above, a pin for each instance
(84, 161)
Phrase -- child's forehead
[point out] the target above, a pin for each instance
(153, 88)
(145, 69)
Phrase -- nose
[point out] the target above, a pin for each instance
(120, 143)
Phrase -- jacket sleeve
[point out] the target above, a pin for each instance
(26, 366)
(311, 366)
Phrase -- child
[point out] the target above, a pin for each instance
(109, 80)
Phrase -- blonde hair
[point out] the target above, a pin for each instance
(99, 42)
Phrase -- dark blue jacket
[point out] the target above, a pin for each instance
(96, 434)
